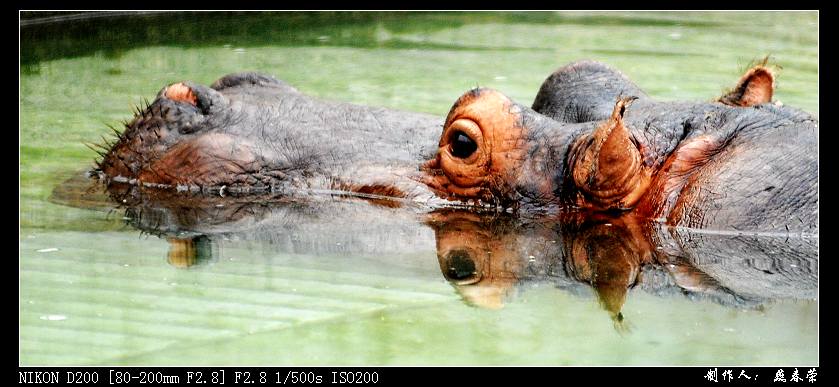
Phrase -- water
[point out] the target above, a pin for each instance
(348, 282)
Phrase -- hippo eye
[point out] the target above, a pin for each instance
(462, 146)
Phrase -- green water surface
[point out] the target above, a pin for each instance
(95, 291)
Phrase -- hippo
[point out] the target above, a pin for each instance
(595, 186)
(592, 141)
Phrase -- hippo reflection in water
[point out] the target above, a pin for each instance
(592, 141)
(485, 257)
(490, 258)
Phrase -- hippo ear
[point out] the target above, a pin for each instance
(754, 88)
(607, 166)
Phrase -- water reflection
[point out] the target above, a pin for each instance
(484, 258)
(489, 258)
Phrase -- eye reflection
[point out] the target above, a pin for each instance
(462, 146)
(460, 265)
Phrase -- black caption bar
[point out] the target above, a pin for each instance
(252, 376)
(207, 376)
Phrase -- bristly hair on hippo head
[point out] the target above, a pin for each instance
(155, 128)
(116, 136)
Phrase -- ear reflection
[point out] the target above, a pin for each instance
(608, 254)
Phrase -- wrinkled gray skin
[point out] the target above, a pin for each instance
(280, 139)
(764, 178)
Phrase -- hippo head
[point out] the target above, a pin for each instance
(495, 151)
(249, 134)
(197, 136)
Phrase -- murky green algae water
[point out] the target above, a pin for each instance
(94, 290)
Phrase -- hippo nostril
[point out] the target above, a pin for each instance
(206, 100)
(182, 93)
(462, 146)
(460, 267)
